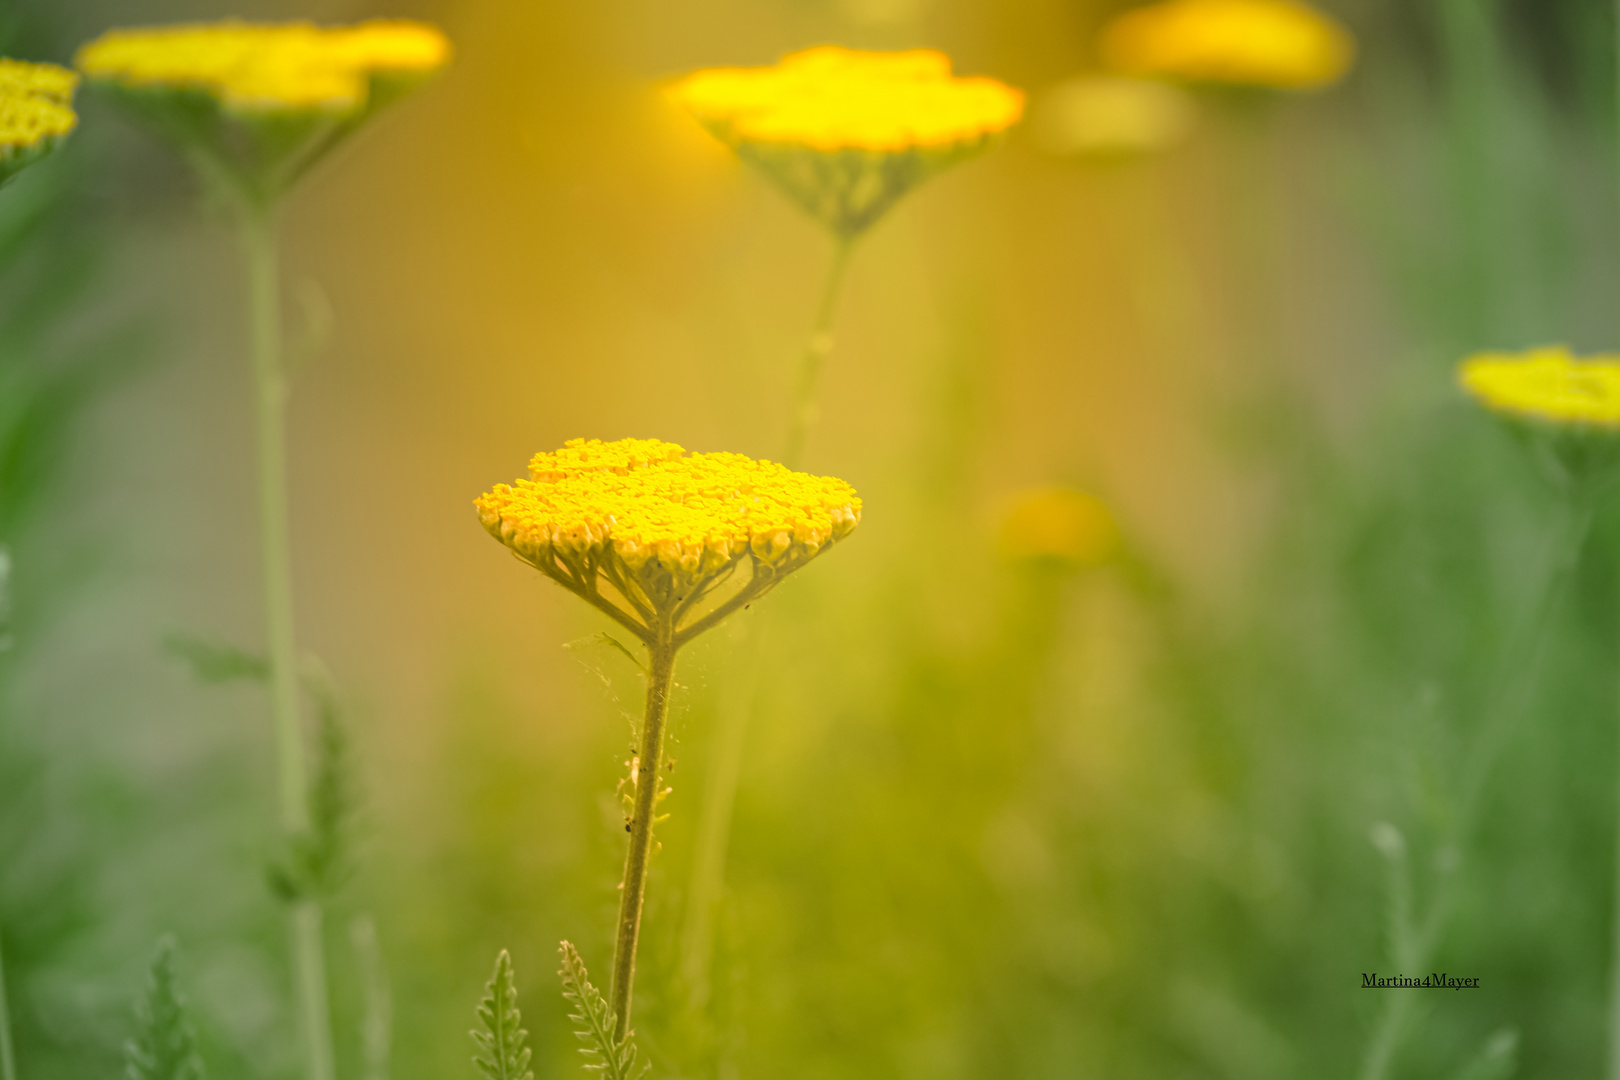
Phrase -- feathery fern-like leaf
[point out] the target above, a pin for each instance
(594, 1023)
(502, 1055)
(163, 1048)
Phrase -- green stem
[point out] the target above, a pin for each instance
(816, 351)
(8, 1057)
(714, 818)
(270, 384)
(1509, 698)
(633, 889)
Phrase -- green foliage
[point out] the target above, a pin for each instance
(594, 1022)
(212, 662)
(502, 1054)
(1498, 1059)
(320, 861)
(164, 1047)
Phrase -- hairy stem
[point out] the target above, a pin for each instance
(8, 1056)
(270, 385)
(1508, 701)
(816, 351)
(633, 890)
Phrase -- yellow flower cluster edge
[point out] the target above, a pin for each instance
(36, 107)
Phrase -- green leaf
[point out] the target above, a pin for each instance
(211, 662)
(501, 1051)
(320, 860)
(163, 1048)
(594, 1023)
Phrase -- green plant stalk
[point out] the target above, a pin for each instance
(714, 819)
(1512, 696)
(816, 351)
(633, 889)
(271, 391)
(720, 789)
(8, 1056)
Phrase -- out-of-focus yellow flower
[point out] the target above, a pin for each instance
(665, 528)
(263, 100)
(1547, 384)
(844, 132)
(36, 112)
(1061, 524)
(1271, 43)
(267, 68)
(1110, 117)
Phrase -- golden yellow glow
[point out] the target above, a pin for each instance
(1548, 384)
(1273, 43)
(830, 98)
(661, 525)
(35, 110)
(256, 68)
(1059, 523)
(1103, 116)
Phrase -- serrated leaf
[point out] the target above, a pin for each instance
(163, 1048)
(502, 1054)
(594, 1023)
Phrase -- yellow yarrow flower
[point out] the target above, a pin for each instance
(36, 112)
(267, 68)
(1549, 385)
(1280, 44)
(1060, 524)
(665, 528)
(846, 132)
(1110, 117)
(1568, 408)
(263, 100)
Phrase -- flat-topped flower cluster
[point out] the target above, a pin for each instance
(661, 525)
(831, 98)
(36, 110)
(1547, 384)
(266, 68)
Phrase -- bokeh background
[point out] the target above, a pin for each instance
(997, 819)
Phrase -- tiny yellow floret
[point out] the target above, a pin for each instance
(830, 98)
(36, 111)
(1547, 384)
(259, 68)
(1062, 524)
(1099, 116)
(1282, 44)
(664, 527)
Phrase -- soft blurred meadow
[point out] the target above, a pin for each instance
(998, 817)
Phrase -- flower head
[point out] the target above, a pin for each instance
(1281, 44)
(665, 528)
(1571, 405)
(1547, 384)
(844, 132)
(289, 90)
(1110, 117)
(36, 112)
(1062, 525)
